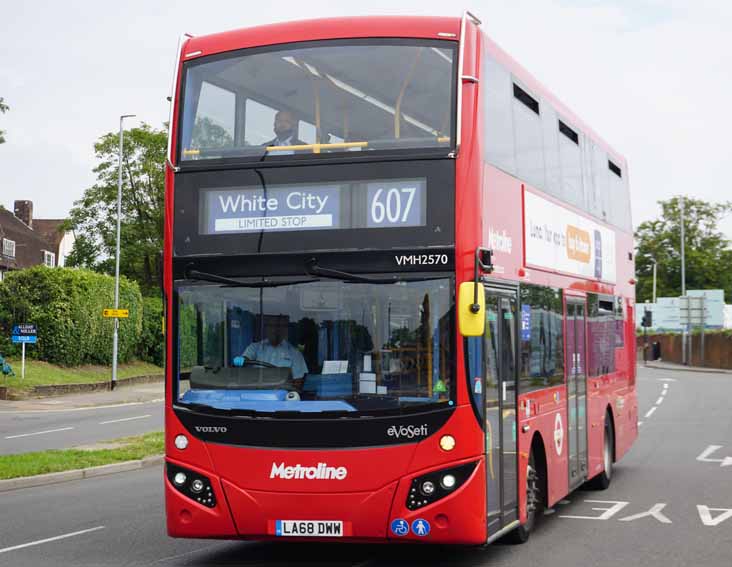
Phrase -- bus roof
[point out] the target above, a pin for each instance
(425, 27)
(327, 28)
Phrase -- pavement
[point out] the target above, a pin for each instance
(80, 419)
(669, 504)
(662, 365)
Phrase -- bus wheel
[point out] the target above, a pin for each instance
(534, 503)
(602, 480)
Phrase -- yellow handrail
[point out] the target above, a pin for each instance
(316, 147)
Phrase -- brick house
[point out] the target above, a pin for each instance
(26, 242)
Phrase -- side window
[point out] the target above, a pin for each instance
(542, 338)
(529, 137)
(498, 122)
(259, 123)
(549, 121)
(601, 334)
(215, 118)
(570, 163)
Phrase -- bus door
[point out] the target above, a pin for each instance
(576, 392)
(499, 369)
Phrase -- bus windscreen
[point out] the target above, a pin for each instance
(324, 347)
(327, 97)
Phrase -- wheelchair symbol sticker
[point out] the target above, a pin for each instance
(400, 527)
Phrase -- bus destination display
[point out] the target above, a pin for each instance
(346, 205)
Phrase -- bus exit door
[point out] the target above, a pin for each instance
(576, 392)
(500, 371)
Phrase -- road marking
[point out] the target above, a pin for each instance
(665, 386)
(705, 515)
(85, 408)
(607, 513)
(50, 539)
(650, 411)
(711, 449)
(663, 392)
(659, 401)
(124, 419)
(666, 379)
(654, 512)
(38, 433)
(640, 423)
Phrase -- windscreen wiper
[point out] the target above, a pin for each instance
(312, 268)
(230, 282)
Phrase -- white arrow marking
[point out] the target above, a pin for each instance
(704, 457)
(705, 514)
(654, 512)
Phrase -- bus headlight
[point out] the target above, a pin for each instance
(192, 485)
(181, 442)
(432, 486)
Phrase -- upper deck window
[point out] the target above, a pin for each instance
(329, 97)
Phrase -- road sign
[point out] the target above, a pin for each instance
(25, 333)
(116, 313)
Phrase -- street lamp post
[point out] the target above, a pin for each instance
(115, 339)
(684, 336)
(655, 266)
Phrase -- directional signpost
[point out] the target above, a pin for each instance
(24, 334)
(116, 313)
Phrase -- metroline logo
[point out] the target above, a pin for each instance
(319, 472)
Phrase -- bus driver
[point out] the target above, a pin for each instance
(276, 350)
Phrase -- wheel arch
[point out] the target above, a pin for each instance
(609, 413)
(539, 449)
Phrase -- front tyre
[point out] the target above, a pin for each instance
(602, 481)
(534, 503)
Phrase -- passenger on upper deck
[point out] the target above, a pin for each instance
(285, 126)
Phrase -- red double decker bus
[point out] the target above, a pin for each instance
(399, 288)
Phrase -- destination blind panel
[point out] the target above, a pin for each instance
(389, 203)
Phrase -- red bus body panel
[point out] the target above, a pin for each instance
(375, 490)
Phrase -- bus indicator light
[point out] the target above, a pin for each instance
(447, 443)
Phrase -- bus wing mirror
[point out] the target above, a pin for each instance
(471, 314)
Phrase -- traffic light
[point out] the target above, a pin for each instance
(647, 319)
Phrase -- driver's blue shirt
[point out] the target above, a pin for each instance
(283, 355)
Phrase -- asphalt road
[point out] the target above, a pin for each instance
(58, 423)
(665, 508)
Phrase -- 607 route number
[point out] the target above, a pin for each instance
(421, 259)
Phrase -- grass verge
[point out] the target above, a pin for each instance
(57, 460)
(39, 373)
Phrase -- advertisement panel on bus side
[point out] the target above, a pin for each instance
(559, 239)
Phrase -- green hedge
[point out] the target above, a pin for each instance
(152, 340)
(66, 306)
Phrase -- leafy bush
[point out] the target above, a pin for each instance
(152, 340)
(66, 307)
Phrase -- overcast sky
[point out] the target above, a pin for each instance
(652, 77)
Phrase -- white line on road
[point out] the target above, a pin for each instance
(640, 423)
(665, 385)
(650, 411)
(38, 433)
(50, 539)
(124, 419)
(659, 401)
(83, 408)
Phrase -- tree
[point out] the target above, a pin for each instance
(707, 250)
(3, 109)
(208, 134)
(93, 217)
